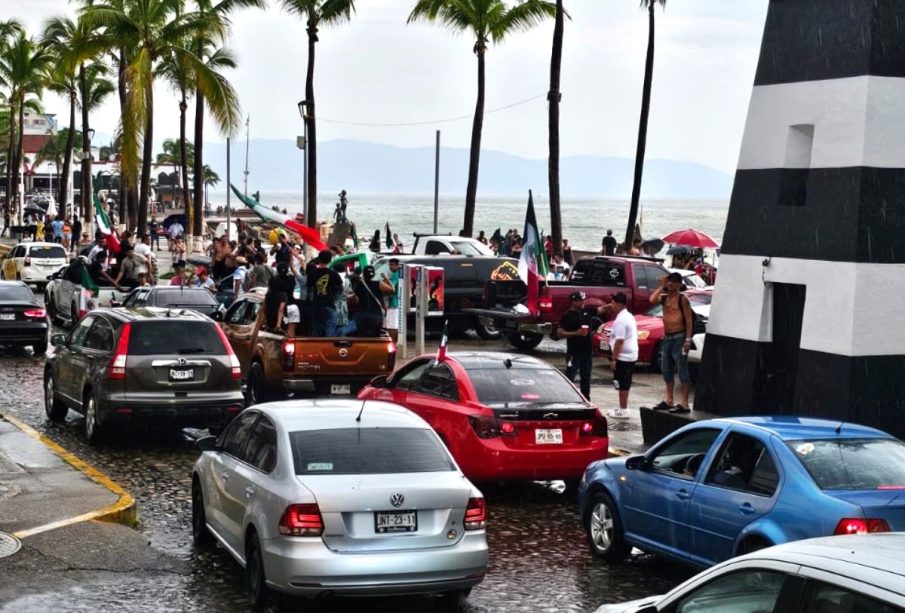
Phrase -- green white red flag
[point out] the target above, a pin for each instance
(532, 265)
(104, 225)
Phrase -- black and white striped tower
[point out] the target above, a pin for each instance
(808, 317)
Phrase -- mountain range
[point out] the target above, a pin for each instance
(360, 166)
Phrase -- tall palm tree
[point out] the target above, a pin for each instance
(94, 87)
(207, 45)
(642, 124)
(489, 21)
(553, 98)
(8, 30)
(315, 13)
(150, 30)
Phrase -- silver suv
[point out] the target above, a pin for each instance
(128, 366)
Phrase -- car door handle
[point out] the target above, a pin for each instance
(683, 495)
(746, 508)
(249, 491)
(225, 476)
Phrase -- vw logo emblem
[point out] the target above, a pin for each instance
(397, 500)
(343, 353)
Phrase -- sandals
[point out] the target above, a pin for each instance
(679, 409)
(662, 406)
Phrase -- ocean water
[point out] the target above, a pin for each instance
(585, 220)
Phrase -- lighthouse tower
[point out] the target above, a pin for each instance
(808, 317)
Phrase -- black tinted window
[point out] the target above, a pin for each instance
(201, 297)
(262, 446)
(100, 337)
(238, 435)
(48, 252)
(824, 597)
(744, 464)
(853, 464)
(439, 381)
(606, 274)
(164, 337)
(16, 293)
(236, 313)
(497, 385)
(81, 331)
(368, 451)
(745, 591)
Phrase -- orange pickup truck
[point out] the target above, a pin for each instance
(273, 365)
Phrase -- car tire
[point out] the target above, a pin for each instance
(524, 340)
(93, 428)
(201, 536)
(256, 387)
(604, 528)
(487, 332)
(55, 409)
(753, 544)
(255, 578)
(40, 348)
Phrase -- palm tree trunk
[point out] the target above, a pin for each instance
(147, 151)
(11, 155)
(198, 170)
(67, 155)
(184, 163)
(642, 130)
(128, 199)
(87, 195)
(471, 192)
(553, 99)
(311, 220)
(19, 146)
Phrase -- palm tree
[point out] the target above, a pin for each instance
(8, 29)
(316, 13)
(207, 47)
(211, 179)
(94, 87)
(553, 98)
(487, 20)
(642, 125)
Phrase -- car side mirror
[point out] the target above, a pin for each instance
(206, 443)
(115, 303)
(59, 340)
(379, 381)
(217, 315)
(636, 462)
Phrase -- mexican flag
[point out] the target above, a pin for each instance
(104, 225)
(444, 340)
(389, 240)
(532, 265)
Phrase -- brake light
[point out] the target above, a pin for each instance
(36, 313)
(235, 368)
(117, 368)
(391, 347)
(27, 261)
(485, 426)
(507, 428)
(587, 427)
(287, 353)
(302, 520)
(546, 303)
(595, 427)
(476, 514)
(860, 525)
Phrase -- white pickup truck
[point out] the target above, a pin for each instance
(447, 244)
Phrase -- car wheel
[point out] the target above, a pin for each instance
(256, 388)
(524, 340)
(93, 429)
(486, 330)
(605, 528)
(255, 578)
(200, 534)
(40, 348)
(753, 544)
(53, 407)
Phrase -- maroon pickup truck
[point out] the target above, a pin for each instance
(597, 276)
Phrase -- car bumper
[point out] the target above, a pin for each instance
(306, 567)
(190, 411)
(323, 385)
(493, 461)
(31, 274)
(23, 332)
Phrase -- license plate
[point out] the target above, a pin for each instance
(337, 390)
(552, 436)
(182, 374)
(7, 316)
(395, 521)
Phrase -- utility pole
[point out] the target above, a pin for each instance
(437, 182)
(247, 143)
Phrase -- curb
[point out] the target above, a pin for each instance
(616, 452)
(122, 511)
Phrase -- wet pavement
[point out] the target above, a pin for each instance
(539, 557)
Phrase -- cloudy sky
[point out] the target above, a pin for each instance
(378, 70)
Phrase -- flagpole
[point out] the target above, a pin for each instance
(437, 182)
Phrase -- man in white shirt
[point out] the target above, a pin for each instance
(624, 345)
(176, 231)
(149, 260)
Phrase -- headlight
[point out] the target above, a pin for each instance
(643, 334)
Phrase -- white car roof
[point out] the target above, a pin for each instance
(326, 414)
(39, 244)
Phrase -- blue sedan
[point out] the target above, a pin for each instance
(719, 488)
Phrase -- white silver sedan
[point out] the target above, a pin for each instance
(318, 497)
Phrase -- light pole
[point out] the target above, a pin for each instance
(303, 112)
(88, 185)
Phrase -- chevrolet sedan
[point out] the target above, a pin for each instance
(340, 497)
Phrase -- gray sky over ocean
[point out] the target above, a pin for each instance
(378, 70)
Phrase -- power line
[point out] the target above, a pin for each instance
(429, 123)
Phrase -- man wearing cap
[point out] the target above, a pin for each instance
(576, 327)
(203, 279)
(239, 274)
(624, 349)
(677, 324)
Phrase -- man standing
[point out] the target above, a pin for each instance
(281, 251)
(323, 284)
(391, 323)
(153, 229)
(624, 346)
(149, 264)
(76, 234)
(677, 324)
(176, 231)
(609, 243)
(575, 326)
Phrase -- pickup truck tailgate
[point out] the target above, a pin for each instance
(344, 356)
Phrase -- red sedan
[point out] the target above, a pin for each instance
(503, 416)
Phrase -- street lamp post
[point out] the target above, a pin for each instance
(303, 112)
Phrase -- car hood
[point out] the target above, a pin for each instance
(644, 322)
(630, 606)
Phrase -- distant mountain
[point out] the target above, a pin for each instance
(360, 166)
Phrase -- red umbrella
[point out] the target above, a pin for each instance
(691, 238)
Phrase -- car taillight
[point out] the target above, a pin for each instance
(485, 426)
(302, 520)
(287, 354)
(507, 428)
(595, 427)
(546, 303)
(476, 514)
(27, 261)
(36, 313)
(391, 357)
(860, 525)
(117, 368)
(235, 368)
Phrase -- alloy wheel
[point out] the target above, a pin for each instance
(602, 526)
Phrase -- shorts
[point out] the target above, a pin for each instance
(391, 322)
(622, 376)
(292, 314)
(673, 358)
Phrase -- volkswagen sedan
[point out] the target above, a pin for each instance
(341, 497)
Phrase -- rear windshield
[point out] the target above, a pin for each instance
(48, 252)
(519, 384)
(175, 338)
(187, 297)
(16, 293)
(853, 464)
(368, 451)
